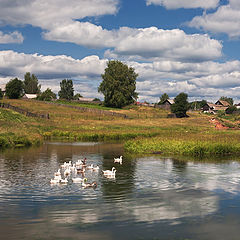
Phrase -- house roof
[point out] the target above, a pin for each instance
(30, 96)
(211, 105)
(224, 103)
(171, 101)
(85, 99)
(3, 87)
(219, 108)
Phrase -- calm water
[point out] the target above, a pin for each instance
(150, 198)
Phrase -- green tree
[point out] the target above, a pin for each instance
(118, 85)
(77, 96)
(231, 109)
(14, 88)
(180, 105)
(227, 99)
(30, 84)
(1, 94)
(47, 95)
(196, 105)
(67, 90)
(163, 98)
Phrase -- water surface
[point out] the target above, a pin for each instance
(150, 198)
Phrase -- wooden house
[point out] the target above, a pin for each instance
(222, 103)
(29, 96)
(167, 104)
(213, 108)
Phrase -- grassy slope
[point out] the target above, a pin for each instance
(143, 122)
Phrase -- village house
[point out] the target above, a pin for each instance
(220, 105)
(29, 96)
(3, 88)
(167, 104)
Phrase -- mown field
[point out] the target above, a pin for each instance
(146, 130)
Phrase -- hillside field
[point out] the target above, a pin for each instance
(145, 130)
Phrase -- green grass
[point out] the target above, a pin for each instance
(147, 130)
(87, 105)
(180, 147)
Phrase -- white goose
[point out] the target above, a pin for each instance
(64, 181)
(58, 173)
(96, 168)
(77, 180)
(110, 173)
(87, 185)
(54, 181)
(118, 160)
(90, 167)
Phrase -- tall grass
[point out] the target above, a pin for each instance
(180, 147)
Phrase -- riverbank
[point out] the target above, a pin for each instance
(148, 129)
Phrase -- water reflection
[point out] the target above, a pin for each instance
(148, 194)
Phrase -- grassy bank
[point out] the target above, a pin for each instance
(179, 147)
(148, 129)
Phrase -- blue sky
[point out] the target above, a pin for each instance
(175, 46)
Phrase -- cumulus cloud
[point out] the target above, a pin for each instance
(225, 20)
(174, 4)
(14, 37)
(208, 80)
(44, 13)
(153, 43)
(62, 24)
(50, 67)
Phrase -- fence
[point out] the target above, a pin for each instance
(92, 110)
(23, 111)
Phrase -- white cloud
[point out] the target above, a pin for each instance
(174, 4)
(45, 13)
(225, 20)
(153, 43)
(52, 67)
(14, 37)
(208, 80)
(62, 24)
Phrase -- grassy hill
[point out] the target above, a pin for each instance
(149, 128)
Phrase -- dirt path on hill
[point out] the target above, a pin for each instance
(218, 125)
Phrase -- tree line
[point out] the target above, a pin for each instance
(118, 87)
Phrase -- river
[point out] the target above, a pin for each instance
(151, 197)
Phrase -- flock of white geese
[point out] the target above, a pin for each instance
(69, 171)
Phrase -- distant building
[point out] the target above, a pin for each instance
(214, 108)
(29, 96)
(237, 106)
(3, 88)
(83, 99)
(222, 103)
(167, 104)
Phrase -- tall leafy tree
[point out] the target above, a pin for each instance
(227, 99)
(118, 85)
(14, 88)
(163, 98)
(30, 84)
(180, 105)
(67, 91)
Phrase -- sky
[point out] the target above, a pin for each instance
(175, 46)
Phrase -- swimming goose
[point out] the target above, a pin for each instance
(90, 167)
(118, 160)
(88, 185)
(64, 181)
(58, 173)
(54, 181)
(77, 180)
(96, 168)
(110, 173)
